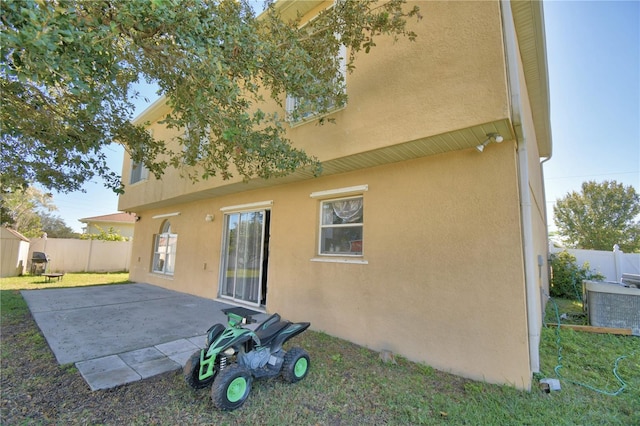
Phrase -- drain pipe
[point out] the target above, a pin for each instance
(534, 314)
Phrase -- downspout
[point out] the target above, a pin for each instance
(546, 221)
(534, 315)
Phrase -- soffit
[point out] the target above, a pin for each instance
(291, 9)
(457, 140)
(528, 19)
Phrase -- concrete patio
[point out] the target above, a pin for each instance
(117, 334)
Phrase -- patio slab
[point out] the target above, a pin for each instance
(118, 334)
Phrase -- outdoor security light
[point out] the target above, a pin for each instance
(491, 137)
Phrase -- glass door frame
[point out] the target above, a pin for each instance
(261, 284)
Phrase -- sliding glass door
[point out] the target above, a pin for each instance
(245, 256)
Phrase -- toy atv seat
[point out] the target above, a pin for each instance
(267, 330)
(270, 328)
(273, 326)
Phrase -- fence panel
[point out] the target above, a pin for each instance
(611, 264)
(73, 255)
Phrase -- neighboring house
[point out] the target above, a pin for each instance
(412, 240)
(14, 253)
(121, 223)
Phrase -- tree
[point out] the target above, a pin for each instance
(22, 210)
(567, 276)
(55, 227)
(600, 216)
(68, 67)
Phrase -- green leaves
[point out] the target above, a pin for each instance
(566, 281)
(602, 215)
(68, 67)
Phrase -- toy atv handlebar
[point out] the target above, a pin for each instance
(239, 316)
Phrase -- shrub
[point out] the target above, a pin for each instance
(110, 235)
(567, 276)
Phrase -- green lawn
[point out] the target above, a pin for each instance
(34, 282)
(348, 384)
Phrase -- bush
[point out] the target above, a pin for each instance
(110, 235)
(567, 276)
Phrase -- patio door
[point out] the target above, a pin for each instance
(245, 257)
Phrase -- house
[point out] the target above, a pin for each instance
(121, 223)
(426, 233)
(14, 252)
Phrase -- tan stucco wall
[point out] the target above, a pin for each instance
(444, 278)
(442, 241)
(452, 77)
(536, 193)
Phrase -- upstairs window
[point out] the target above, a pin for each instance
(194, 153)
(300, 110)
(138, 172)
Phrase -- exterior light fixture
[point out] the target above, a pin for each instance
(491, 137)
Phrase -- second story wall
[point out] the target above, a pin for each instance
(452, 77)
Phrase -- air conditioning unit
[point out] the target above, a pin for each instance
(612, 305)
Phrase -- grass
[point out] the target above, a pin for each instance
(348, 384)
(35, 282)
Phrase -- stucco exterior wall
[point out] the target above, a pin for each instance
(442, 277)
(444, 266)
(452, 77)
(536, 189)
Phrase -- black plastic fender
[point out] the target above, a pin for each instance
(214, 332)
(292, 330)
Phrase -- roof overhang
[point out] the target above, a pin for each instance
(292, 9)
(438, 144)
(528, 18)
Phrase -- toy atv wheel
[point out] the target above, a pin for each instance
(296, 365)
(231, 387)
(191, 372)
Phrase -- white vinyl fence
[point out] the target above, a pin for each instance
(73, 255)
(611, 264)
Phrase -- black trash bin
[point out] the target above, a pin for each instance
(39, 262)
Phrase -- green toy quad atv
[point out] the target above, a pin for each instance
(234, 355)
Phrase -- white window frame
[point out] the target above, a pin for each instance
(139, 173)
(292, 102)
(205, 140)
(164, 257)
(333, 194)
(322, 227)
